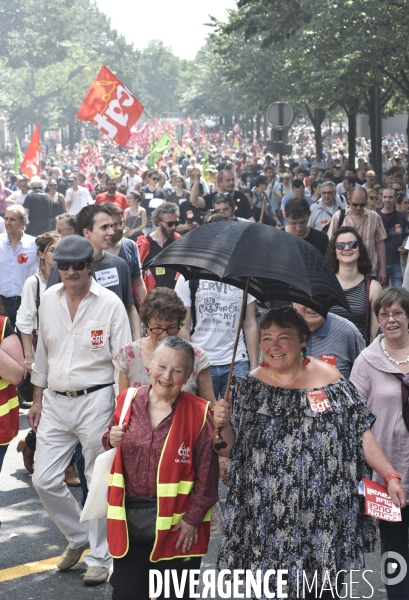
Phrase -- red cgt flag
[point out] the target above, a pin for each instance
(31, 161)
(111, 107)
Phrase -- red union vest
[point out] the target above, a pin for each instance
(175, 480)
(9, 417)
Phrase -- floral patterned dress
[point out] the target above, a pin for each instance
(293, 498)
(129, 361)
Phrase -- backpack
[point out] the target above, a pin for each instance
(341, 220)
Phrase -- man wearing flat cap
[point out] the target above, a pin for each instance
(82, 326)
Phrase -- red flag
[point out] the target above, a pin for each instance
(31, 161)
(111, 107)
(85, 162)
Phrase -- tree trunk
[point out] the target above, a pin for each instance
(258, 127)
(407, 130)
(375, 124)
(317, 119)
(265, 127)
(220, 121)
(351, 139)
(71, 135)
(228, 122)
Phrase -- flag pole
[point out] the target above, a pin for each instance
(236, 343)
(161, 126)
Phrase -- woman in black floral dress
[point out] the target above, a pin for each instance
(299, 439)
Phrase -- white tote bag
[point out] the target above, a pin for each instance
(96, 505)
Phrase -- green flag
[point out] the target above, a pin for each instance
(206, 163)
(18, 159)
(159, 148)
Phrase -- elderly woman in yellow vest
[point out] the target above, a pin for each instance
(11, 373)
(164, 478)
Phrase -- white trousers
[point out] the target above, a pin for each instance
(65, 421)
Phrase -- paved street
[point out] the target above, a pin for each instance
(27, 535)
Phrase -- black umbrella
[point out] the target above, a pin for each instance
(281, 266)
(265, 261)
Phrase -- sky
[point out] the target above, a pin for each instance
(178, 23)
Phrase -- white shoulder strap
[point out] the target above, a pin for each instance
(130, 395)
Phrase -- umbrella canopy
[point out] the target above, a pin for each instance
(281, 266)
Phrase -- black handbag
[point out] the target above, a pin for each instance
(141, 518)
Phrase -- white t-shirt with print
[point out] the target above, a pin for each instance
(218, 307)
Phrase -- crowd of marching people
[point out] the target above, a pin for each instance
(83, 320)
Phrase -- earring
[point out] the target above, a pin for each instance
(305, 360)
(263, 363)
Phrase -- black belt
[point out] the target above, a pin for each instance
(82, 392)
(11, 297)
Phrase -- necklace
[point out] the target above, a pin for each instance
(389, 357)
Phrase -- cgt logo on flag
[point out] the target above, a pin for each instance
(111, 107)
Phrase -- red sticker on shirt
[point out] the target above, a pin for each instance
(318, 401)
(97, 339)
(324, 222)
(329, 358)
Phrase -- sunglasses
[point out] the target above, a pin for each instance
(77, 266)
(357, 205)
(373, 197)
(155, 178)
(171, 223)
(352, 245)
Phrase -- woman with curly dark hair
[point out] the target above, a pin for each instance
(162, 313)
(350, 261)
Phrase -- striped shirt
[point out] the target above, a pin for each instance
(356, 297)
(370, 229)
(338, 342)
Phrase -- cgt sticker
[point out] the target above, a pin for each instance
(97, 339)
(318, 401)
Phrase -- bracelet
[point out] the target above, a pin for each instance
(392, 476)
(28, 362)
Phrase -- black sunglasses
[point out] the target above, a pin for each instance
(351, 245)
(171, 223)
(77, 266)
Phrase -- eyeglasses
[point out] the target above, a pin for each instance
(60, 230)
(352, 245)
(358, 205)
(171, 223)
(172, 330)
(373, 197)
(324, 193)
(77, 266)
(396, 314)
(52, 185)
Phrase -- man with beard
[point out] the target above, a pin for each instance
(111, 195)
(166, 218)
(127, 250)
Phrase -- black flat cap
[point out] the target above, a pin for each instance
(73, 248)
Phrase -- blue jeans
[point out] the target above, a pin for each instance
(394, 538)
(10, 308)
(395, 273)
(3, 450)
(220, 375)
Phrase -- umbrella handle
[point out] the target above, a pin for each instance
(263, 209)
(221, 443)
